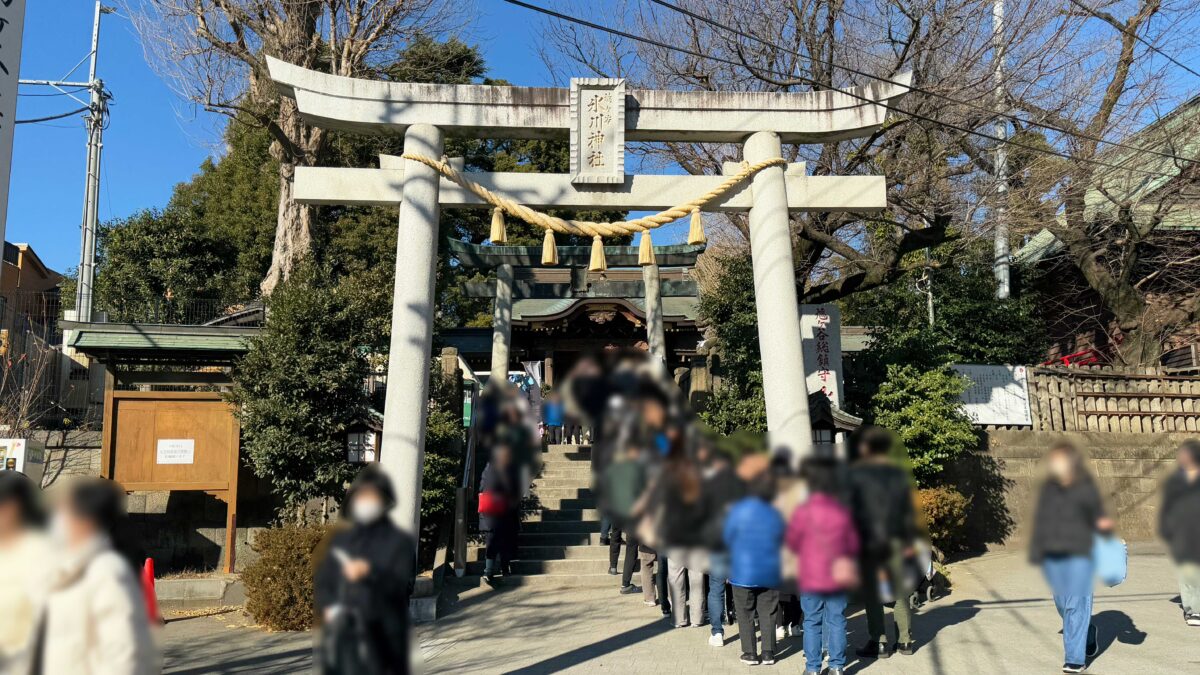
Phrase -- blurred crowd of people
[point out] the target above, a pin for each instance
(71, 601)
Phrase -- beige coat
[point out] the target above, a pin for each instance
(96, 619)
(25, 566)
(792, 492)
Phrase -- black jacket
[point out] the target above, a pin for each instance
(882, 503)
(374, 614)
(1065, 520)
(1179, 519)
(721, 490)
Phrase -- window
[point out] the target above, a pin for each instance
(360, 446)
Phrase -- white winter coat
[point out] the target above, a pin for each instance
(96, 618)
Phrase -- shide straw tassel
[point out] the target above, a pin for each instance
(499, 232)
(598, 263)
(646, 250)
(549, 249)
(696, 231)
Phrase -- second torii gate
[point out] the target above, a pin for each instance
(598, 116)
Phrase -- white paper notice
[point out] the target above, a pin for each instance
(176, 451)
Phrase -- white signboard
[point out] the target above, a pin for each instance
(176, 451)
(12, 23)
(821, 343)
(597, 130)
(997, 394)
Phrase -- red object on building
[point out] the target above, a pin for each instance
(1087, 357)
(148, 593)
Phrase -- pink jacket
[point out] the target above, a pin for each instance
(821, 531)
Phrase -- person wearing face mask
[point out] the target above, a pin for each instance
(363, 584)
(24, 554)
(1069, 513)
(95, 616)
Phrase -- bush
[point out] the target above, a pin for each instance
(923, 408)
(945, 513)
(279, 584)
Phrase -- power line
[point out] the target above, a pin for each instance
(53, 117)
(57, 93)
(811, 82)
(1109, 19)
(920, 90)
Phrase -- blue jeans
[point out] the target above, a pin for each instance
(718, 574)
(824, 626)
(1070, 579)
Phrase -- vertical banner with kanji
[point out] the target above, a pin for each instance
(821, 342)
(12, 23)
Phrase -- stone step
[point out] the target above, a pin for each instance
(559, 503)
(556, 465)
(559, 539)
(539, 515)
(568, 447)
(562, 492)
(561, 526)
(543, 482)
(478, 552)
(544, 581)
(559, 472)
(568, 567)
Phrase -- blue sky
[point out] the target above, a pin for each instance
(155, 139)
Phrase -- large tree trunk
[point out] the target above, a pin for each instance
(293, 232)
(296, 144)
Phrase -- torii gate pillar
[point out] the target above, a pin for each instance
(402, 453)
(788, 425)
(502, 325)
(655, 335)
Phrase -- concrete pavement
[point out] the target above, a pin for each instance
(998, 619)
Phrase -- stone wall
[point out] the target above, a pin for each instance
(1129, 468)
(179, 530)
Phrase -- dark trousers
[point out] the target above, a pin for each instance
(789, 610)
(762, 603)
(631, 559)
(615, 545)
(660, 580)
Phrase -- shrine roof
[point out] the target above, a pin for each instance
(674, 309)
(484, 256)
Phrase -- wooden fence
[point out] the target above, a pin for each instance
(1146, 400)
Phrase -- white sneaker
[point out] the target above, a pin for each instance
(781, 632)
(717, 640)
(1193, 619)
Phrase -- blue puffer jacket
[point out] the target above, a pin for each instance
(754, 535)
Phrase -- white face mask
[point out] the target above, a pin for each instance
(366, 510)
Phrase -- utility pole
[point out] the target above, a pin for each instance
(95, 121)
(1002, 257)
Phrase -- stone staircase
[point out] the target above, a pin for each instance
(559, 544)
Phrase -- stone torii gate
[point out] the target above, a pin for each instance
(598, 116)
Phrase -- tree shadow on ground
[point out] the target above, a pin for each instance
(596, 649)
(925, 627)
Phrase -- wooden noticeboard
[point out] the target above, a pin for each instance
(173, 440)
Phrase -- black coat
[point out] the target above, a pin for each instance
(882, 503)
(1179, 519)
(374, 610)
(1064, 523)
(501, 530)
